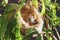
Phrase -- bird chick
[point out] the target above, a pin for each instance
(31, 17)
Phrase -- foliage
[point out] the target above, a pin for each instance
(10, 25)
(3, 25)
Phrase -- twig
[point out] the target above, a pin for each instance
(42, 37)
(57, 33)
(45, 7)
(54, 37)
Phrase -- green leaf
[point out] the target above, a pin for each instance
(18, 34)
(55, 21)
(12, 22)
(58, 5)
(30, 31)
(35, 3)
(3, 26)
(22, 4)
(39, 37)
(10, 9)
(49, 13)
(4, 2)
(10, 29)
(43, 8)
(47, 1)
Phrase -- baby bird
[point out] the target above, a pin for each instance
(31, 17)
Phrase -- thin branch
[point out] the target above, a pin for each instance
(54, 37)
(42, 37)
(57, 33)
(45, 7)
